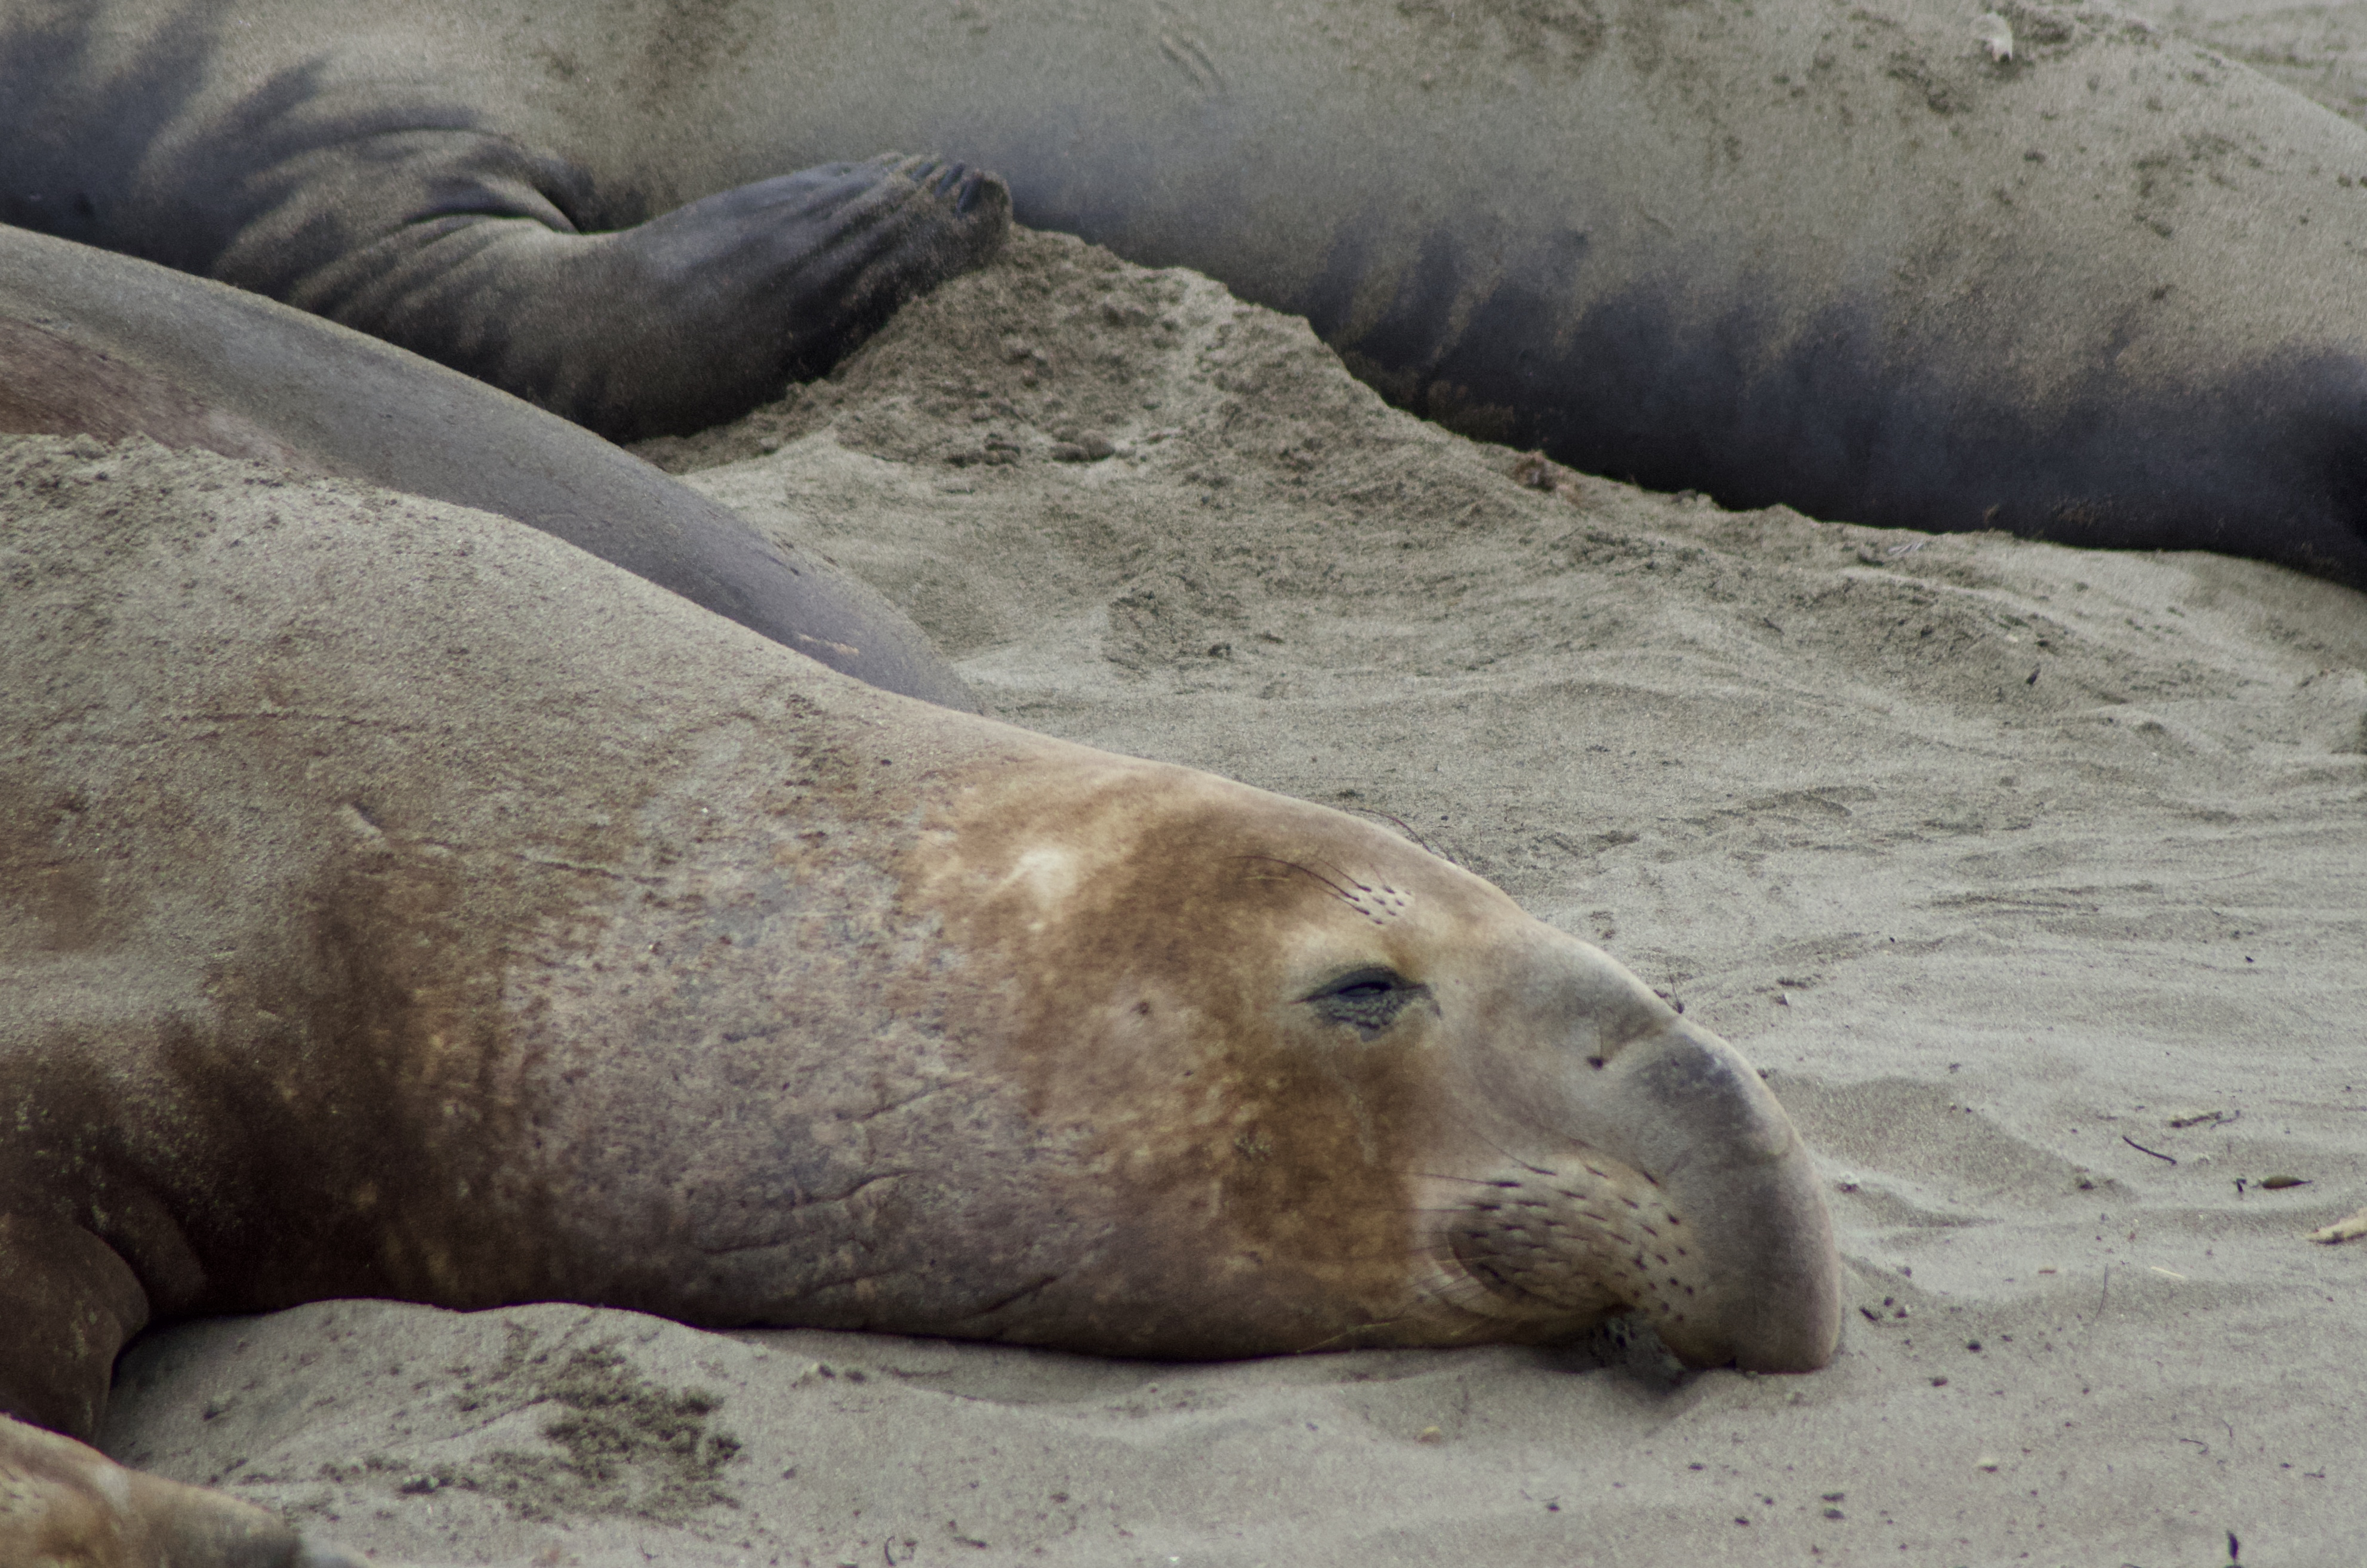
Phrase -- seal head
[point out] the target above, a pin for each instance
(1313, 1087)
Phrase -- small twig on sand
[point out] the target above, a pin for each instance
(2349, 1228)
(2142, 1150)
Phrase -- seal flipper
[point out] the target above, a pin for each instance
(469, 249)
(683, 322)
(410, 216)
(64, 1502)
(71, 1302)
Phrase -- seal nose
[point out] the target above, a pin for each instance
(1728, 1160)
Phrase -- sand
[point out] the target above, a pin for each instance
(2317, 49)
(2032, 877)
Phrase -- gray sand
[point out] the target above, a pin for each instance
(2032, 877)
(2317, 49)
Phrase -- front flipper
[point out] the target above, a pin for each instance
(669, 326)
(65, 1505)
(399, 212)
(70, 1301)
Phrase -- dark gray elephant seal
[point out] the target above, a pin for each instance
(1842, 256)
(453, 953)
(364, 185)
(114, 348)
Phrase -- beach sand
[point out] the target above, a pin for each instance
(2031, 877)
(2317, 49)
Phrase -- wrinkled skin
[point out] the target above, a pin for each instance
(455, 955)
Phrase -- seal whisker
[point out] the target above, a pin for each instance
(1482, 1181)
(1403, 826)
(1351, 877)
(1337, 891)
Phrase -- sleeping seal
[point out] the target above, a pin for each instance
(108, 345)
(457, 953)
(2054, 271)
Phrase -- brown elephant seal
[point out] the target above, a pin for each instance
(457, 953)
(112, 347)
(2099, 286)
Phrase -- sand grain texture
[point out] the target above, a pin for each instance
(2002, 860)
(2317, 49)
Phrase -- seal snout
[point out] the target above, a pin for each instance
(1641, 1166)
(1762, 1280)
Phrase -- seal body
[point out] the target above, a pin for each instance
(449, 954)
(2100, 290)
(114, 347)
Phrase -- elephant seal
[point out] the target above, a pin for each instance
(112, 347)
(456, 953)
(1886, 264)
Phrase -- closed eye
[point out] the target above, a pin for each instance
(1368, 1000)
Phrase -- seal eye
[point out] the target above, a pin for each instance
(1368, 1000)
